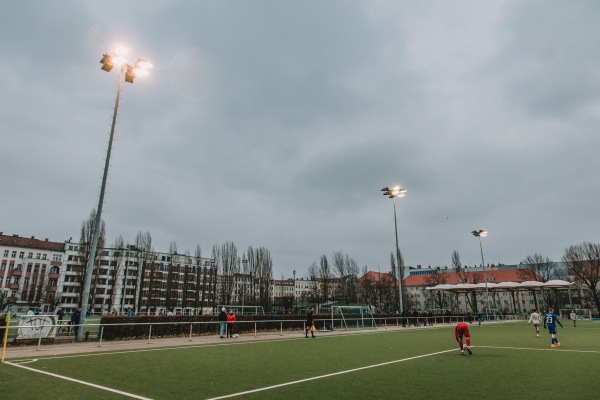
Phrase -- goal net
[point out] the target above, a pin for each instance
(241, 310)
(353, 317)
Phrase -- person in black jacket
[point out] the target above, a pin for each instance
(310, 323)
(222, 322)
(75, 318)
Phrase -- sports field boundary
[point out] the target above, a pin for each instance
(75, 348)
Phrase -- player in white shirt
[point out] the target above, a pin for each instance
(535, 318)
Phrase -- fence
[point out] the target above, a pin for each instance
(132, 329)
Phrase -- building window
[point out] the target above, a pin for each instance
(38, 255)
(22, 254)
(56, 257)
(44, 256)
(5, 253)
(13, 254)
(30, 255)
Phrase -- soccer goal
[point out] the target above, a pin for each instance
(582, 313)
(242, 310)
(354, 317)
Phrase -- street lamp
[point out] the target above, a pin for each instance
(140, 68)
(393, 193)
(481, 233)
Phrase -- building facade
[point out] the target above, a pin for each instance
(30, 273)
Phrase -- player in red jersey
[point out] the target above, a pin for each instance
(462, 330)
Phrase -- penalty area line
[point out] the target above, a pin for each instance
(133, 396)
(328, 375)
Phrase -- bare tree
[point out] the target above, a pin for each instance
(188, 280)
(226, 257)
(456, 265)
(583, 262)
(172, 278)
(539, 268)
(262, 256)
(114, 272)
(145, 261)
(83, 255)
(325, 275)
(471, 277)
(346, 269)
(200, 279)
(438, 297)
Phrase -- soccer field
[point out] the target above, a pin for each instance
(508, 361)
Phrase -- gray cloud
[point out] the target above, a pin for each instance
(277, 123)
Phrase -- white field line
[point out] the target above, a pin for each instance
(328, 375)
(133, 396)
(387, 363)
(538, 349)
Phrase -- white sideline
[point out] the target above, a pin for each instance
(328, 375)
(81, 382)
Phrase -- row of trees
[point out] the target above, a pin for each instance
(152, 286)
(337, 276)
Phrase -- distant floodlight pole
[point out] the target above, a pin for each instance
(108, 61)
(481, 233)
(393, 193)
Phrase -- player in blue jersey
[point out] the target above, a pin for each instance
(550, 320)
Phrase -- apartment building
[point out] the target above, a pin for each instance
(30, 272)
(145, 282)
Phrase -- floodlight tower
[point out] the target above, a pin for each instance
(393, 193)
(140, 68)
(481, 233)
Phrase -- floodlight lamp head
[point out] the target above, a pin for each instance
(130, 74)
(143, 64)
(107, 63)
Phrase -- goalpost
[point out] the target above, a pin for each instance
(241, 310)
(354, 317)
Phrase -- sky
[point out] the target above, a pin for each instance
(277, 123)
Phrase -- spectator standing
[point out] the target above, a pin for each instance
(310, 324)
(462, 331)
(60, 313)
(479, 317)
(75, 319)
(550, 320)
(130, 312)
(415, 315)
(230, 323)
(573, 317)
(222, 322)
(535, 318)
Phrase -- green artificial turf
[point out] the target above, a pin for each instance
(509, 361)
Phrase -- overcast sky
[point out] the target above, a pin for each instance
(277, 123)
